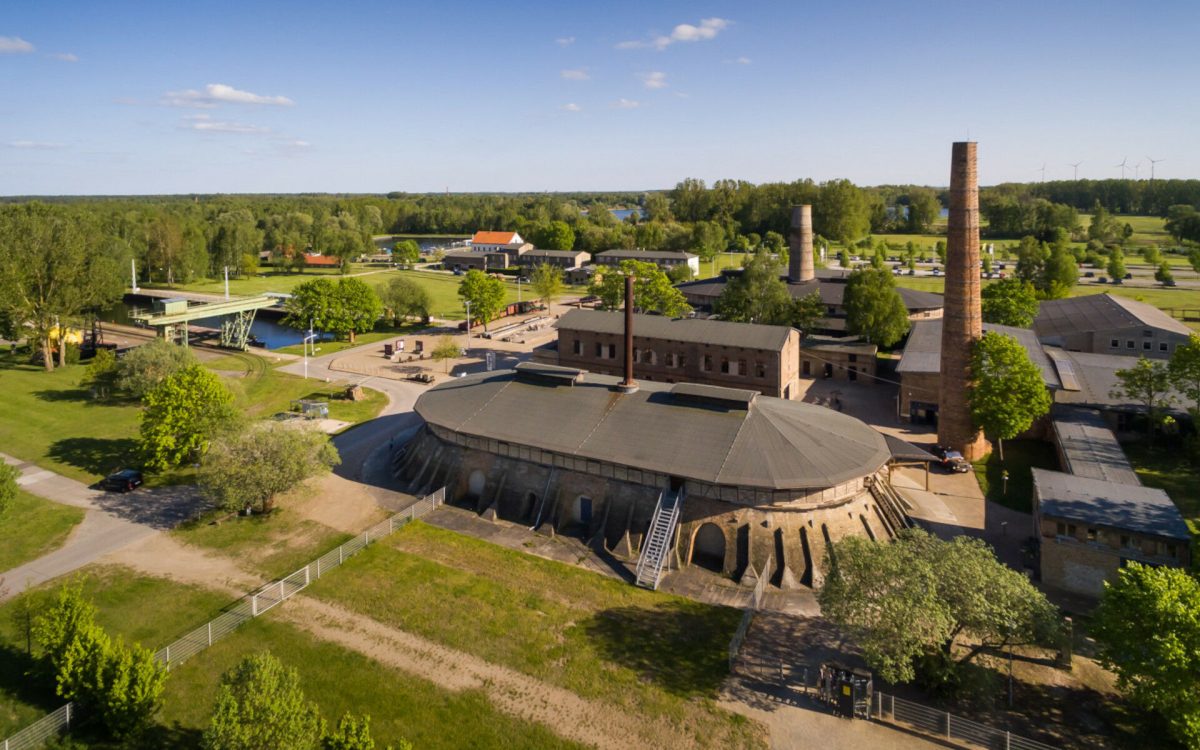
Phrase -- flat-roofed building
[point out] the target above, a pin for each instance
(664, 259)
(1087, 529)
(1109, 324)
(678, 350)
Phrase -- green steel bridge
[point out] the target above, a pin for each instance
(171, 317)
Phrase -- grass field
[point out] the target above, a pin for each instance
(1161, 297)
(598, 637)
(32, 527)
(151, 611)
(401, 705)
(1019, 457)
(260, 390)
(50, 420)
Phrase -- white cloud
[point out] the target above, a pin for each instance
(565, 41)
(684, 32)
(572, 107)
(654, 80)
(215, 94)
(739, 61)
(626, 104)
(205, 124)
(65, 57)
(14, 45)
(36, 145)
(579, 74)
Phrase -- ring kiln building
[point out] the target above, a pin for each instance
(742, 477)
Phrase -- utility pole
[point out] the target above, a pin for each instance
(467, 348)
(226, 269)
(310, 339)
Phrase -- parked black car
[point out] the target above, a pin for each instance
(951, 460)
(124, 480)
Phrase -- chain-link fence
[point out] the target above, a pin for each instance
(756, 600)
(247, 608)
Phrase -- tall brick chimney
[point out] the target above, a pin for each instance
(800, 246)
(962, 321)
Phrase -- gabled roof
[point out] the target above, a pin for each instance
(770, 443)
(923, 351)
(321, 260)
(692, 330)
(1127, 507)
(646, 255)
(1093, 380)
(1089, 448)
(1101, 312)
(495, 238)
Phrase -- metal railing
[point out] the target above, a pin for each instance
(245, 609)
(888, 708)
(756, 600)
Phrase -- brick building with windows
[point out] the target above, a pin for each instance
(837, 358)
(685, 350)
(1109, 324)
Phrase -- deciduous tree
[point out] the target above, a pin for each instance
(547, 283)
(1149, 384)
(554, 235)
(144, 367)
(1007, 391)
(446, 350)
(652, 290)
(406, 253)
(1148, 628)
(757, 294)
(250, 468)
(1163, 274)
(343, 308)
(405, 298)
(874, 309)
(1184, 371)
(921, 597)
(1010, 302)
(484, 293)
(259, 705)
(1116, 263)
(181, 416)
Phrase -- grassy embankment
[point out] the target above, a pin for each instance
(1019, 457)
(154, 612)
(637, 651)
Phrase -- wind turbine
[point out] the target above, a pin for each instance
(1043, 171)
(1137, 170)
(1152, 163)
(1122, 166)
(1076, 167)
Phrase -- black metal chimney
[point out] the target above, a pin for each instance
(628, 385)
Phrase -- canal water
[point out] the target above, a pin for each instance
(266, 327)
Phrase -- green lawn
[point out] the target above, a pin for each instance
(260, 390)
(401, 705)
(601, 638)
(273, 545)
(151, 611)
(1161, 297)
(50, 420)
(32, 527)
(1172, 472)
(1019, 457)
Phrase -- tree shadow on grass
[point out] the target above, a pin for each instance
(680, 646)
(22, 678)
(61, 395)
(95, 455)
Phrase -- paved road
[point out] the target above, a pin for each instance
(112, 521)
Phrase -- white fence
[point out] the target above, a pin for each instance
(889, 708)
(247, 608)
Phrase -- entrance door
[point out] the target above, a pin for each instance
(828, 370)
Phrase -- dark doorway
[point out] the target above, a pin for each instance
(828, 370)
(708, 549)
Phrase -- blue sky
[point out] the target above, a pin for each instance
(140, 97)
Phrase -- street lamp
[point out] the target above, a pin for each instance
(309, 339)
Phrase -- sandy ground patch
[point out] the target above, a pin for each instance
(338, 503)
(162, 556)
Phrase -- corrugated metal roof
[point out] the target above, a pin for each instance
(539, 253)
(831, 287)
(923, 351)
(1100, 312)
(1090, 448)
(1095, 376)
(693, 330)
(773, 444)
(1120, 506)
(647, 255)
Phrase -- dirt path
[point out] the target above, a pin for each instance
(163, 556)
(593, 723)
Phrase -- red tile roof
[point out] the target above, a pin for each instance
(321, 260)
(493, 238)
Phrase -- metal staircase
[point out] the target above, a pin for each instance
(658, 539)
